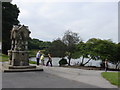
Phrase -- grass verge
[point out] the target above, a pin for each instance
(112, 77)
(3, 58)
(32, 62)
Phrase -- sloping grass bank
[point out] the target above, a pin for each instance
(112, 77)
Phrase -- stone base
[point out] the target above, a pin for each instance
(20, 58)
(9, 68)
(23, 70)
(22, 67)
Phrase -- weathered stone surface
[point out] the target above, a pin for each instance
(22, 67)
(9, 68)
(20, 58)
(18, 55)
(23, 70)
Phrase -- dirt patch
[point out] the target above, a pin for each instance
(90, 68)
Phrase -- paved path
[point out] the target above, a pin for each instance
(91, 77)
(39, 80)
(56, 77)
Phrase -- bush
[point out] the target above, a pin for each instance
(63, 62)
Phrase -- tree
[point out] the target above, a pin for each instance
(10, 14)
(115, 55)
(106, 49)
(80, 52)
(33, 43)
(70, 39)
(57, 48)
(100, 49)
(95, 49)
(86, 50)
(38, 44)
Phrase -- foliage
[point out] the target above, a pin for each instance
(106, 49)
(86, 50)
(97, 49)
(36, 44)
(115, 55)
(113, 77)
(70, 39)
(3, 58)
(33, 43)
(63, 62)
(32, 62)
(57, 48)
(10, 14)
(32, 53)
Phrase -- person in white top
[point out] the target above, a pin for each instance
(38, 57)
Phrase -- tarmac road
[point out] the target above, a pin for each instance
(55, 77)
(39, 80)
(90, 77)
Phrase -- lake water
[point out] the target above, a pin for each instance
(55, 62)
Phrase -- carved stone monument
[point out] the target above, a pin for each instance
(18, 55)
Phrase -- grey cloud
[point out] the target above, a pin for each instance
(88, 19)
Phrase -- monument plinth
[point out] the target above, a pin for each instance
(20, 58)
(19, 54)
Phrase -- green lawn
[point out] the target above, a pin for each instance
(32, 62)
(112, 77)
(3, 58)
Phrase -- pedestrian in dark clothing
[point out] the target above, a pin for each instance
(49, 60)
(106, 65)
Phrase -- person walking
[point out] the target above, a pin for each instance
(49, 60)
(106, 65)
(42, 59)
(38, 57)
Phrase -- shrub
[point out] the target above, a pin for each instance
(63, 62)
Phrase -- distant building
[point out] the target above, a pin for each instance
(6, 0)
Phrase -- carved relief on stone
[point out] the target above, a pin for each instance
(19, 36)
(18, 55)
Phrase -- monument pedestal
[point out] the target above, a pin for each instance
(20, 58)
(9, 68)
(21, 67)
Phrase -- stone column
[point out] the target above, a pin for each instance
(12, 45)
(15, 48)
(26, 45)
(10, 56)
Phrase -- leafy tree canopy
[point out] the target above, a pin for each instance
(57, 48)
(10, 14)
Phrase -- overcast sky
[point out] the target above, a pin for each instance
(49, 20)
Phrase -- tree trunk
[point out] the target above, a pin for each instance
(81, 64)
(86, 62)
(69, 62)
(117, 65)
(69, 58)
